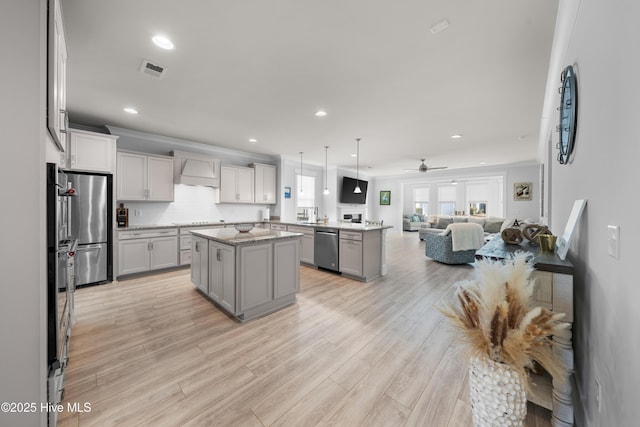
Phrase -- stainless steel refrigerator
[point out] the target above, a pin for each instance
(90, 221)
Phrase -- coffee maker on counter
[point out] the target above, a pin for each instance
(122, 216)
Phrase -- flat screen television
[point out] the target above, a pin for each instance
(348, 196)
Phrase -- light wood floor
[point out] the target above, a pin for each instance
(154, 351)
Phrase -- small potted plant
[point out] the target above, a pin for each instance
(504, 335)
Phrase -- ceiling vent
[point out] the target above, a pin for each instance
(152, 69)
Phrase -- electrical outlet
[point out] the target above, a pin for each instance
(598, 394)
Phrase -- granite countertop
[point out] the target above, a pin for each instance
(234, 237)
(339, 225)
(184, 225)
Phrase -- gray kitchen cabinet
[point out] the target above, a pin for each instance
(143, 177)
(361, 254)
(350, 256)
(307, 245)
(90, 151)
(256, 275)
(163, 252)
(285, 256)
(199, 263)
(222, 275)
(236, 184)
(133, 256)
(147, 250)
(265, 183)
(249, 278)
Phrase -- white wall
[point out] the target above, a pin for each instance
(23, 260)
(390, 214)
(401, 198)
(601, 40)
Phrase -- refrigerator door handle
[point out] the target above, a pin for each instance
(89, 248)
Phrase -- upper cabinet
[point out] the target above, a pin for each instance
(265, 183)
(236, 184)
(144, 177)
(89, 151)
(57, 118)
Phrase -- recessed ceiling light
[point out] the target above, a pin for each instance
(321, 113)
(456, 136)
(483, 163)
(163, 42)
(130, 110)
(354, 155)
(253, 140)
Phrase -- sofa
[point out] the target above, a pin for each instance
(437, 224)
(440, 246)
(413, 222)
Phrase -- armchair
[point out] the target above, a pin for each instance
(439, 246)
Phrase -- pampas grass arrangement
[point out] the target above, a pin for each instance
(496, 316)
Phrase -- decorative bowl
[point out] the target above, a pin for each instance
(243, 228)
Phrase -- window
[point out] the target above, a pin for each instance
(421, 200)
(308, 198)
(477, 197)
(446, 199)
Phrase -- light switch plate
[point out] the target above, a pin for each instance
(613, 237)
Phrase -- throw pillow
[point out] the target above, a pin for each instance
(444, 222)
(457, 219)
(415, 218)
(492, 227)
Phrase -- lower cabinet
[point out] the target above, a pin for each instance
(361, 254)
(307, 244)
(351, 257)
(147, 250)
(222, 275)
(200, 263)
(250, 280)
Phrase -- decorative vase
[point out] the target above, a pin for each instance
(496, 393)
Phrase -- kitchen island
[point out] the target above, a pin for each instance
(246, 274)
(361, 247)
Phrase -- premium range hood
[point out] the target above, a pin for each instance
(195, 169)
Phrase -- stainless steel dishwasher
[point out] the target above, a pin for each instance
(326, 249)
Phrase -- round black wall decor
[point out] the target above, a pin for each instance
(568, 114)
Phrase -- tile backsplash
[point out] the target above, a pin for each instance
(191, 203)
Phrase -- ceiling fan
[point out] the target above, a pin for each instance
(424, 168)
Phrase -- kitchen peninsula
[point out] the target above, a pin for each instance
(247, 274)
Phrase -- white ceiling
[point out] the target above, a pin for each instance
(261, 68)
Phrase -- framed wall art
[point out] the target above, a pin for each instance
(385, 197)
(522, 191)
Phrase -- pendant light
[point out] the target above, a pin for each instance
(326, 187)
(357, 190)
(301, 190)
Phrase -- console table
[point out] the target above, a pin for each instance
(553, 290)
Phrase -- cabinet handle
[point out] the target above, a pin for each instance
(219, 254)
(197, 246)
(65, 121)
(73, 159)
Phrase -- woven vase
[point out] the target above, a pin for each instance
(496, 393)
